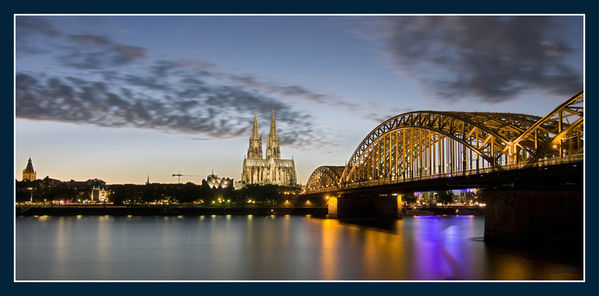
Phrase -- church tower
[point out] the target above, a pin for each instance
(28, 172)
(255, 149)
(273, 149)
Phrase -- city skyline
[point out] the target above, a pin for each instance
(122, 97)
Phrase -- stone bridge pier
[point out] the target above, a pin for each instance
(364, 206)
(534, 216)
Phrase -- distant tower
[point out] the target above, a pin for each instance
(273, 149)
(28, 172)
(255, 149)
(148, 180)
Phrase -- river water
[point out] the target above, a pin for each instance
(246, 247)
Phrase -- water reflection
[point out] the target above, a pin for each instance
(269, 247)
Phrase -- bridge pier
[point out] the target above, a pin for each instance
(364, 206)
(534, 216)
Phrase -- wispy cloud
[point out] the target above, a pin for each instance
(489, 58)
(117, 85)
(175, 103)
(292, 91)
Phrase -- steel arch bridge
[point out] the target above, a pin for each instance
(432, 144)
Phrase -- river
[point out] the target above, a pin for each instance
(246, 247)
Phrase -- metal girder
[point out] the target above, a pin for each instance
(427, 143)
(487, 134)
(324, 177)
(559, 133)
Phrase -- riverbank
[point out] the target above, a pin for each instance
(164, 210)
(179, 210)
(448, 210)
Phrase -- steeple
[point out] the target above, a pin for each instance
(28, 172)
(255, 132)
(255, 148)
(273, 127)
(272, 141)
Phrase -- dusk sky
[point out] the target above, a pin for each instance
(122, 97)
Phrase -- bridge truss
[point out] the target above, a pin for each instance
(436, 144)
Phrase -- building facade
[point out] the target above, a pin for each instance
(28, 173)
(215, 182)
(271, 169)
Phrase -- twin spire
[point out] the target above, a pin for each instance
(255, 132)
(272, 141)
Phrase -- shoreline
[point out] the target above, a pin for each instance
(162, 211)
(176, 211)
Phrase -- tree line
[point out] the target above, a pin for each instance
(187, 193)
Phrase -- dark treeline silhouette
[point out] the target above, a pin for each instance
(49, 190)
(199, 194)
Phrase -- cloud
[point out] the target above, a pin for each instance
(292, 91)
(101, 82)
(491, 58)
(36, 35)
(30, 28)
(163, 96)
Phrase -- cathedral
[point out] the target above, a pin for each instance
(269, 170)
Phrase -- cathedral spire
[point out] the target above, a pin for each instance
(255, 132)
(273, 128)
(255, 148)
(273, 149)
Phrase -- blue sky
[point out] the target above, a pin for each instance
(122, 97)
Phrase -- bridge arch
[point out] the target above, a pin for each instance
(433, 144)
(324, 178)
(426, 143)
(558, 134)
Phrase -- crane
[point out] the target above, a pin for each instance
(179, 175)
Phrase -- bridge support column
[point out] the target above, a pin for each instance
(534, 216)
(364, 206)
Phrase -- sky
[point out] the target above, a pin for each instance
(121, 98)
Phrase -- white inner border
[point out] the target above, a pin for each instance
(294, 15)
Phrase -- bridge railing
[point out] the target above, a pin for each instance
(388, 181)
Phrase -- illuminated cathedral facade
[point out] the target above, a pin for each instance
(271, 169)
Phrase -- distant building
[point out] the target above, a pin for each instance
(98, 194)
(28, 173)
(95, 187)
(214, 182)
(269, 170)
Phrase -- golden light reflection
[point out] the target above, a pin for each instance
(382, 253)
(329, 251)
(512, 269)
(63, 242)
